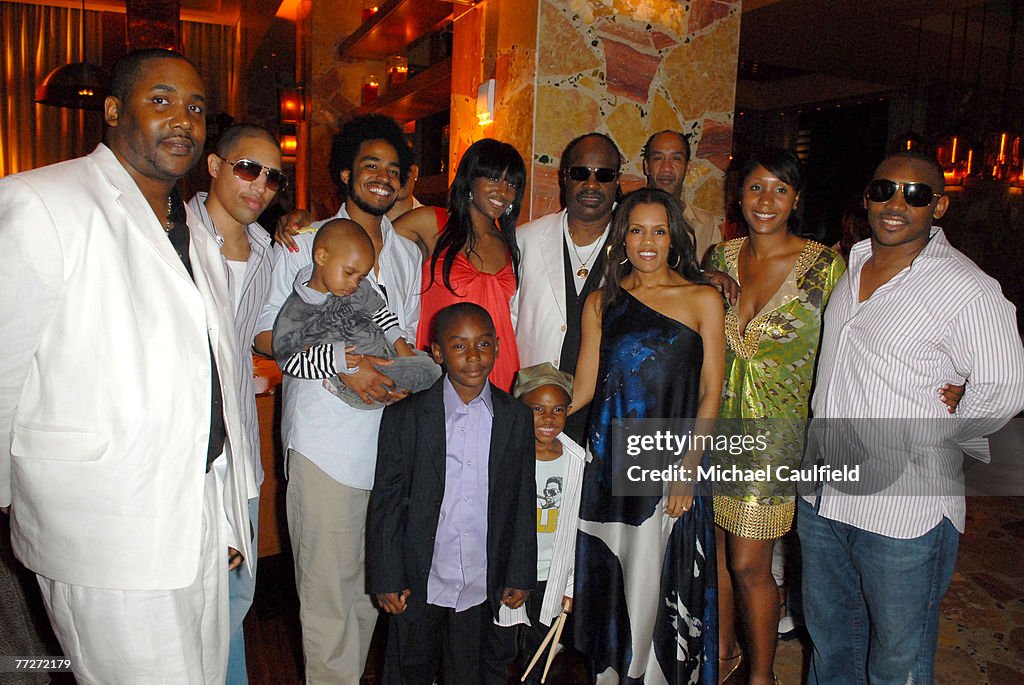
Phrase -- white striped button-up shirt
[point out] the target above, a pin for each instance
(251, 294)
(940, 320)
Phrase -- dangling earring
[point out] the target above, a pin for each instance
(679, 258)
(624, 261)
(508, 211)
(471, 196)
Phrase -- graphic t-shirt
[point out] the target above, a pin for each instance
(550, 484)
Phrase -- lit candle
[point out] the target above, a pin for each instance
(371, 86)
(398, 70)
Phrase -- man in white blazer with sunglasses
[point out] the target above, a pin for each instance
(562, 259)
(117, 409)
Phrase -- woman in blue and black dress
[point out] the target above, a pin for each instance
(653, 347)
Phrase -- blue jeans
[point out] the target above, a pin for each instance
(871, 602)
(241, 588)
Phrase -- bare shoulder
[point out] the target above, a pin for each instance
(700, 307)
(704, 295)
(419, 221)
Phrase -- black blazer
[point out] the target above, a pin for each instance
(409, 485)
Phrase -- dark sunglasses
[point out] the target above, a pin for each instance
(582, 173)
(248, 171)
(915, 194)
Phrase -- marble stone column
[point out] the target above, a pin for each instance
(627, 68)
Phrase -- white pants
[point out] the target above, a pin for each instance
(151, 636)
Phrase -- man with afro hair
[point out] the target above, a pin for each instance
(330, 447)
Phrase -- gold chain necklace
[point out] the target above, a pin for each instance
(583, 271)
(168, 224)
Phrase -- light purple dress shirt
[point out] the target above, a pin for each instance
(458, 572)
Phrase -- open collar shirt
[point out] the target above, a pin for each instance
(940, 320)
(339, 439)
(251, 294)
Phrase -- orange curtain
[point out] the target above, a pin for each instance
(36, 39)
(214, 49)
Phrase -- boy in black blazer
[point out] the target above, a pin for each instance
(451, 523)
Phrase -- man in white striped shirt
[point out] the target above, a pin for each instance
(246, 176)
(911, 314)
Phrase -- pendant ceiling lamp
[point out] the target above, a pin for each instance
(79, 85)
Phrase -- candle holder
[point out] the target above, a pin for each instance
(370, 8)
(371, 88)
(398, 70)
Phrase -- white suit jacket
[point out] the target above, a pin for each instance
(105, 381)
(538, 308)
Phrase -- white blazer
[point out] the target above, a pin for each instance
(105, 381)
(538, 308)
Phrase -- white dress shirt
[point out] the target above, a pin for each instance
(340, 440)
(940, 320)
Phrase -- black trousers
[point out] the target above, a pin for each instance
(468, 646)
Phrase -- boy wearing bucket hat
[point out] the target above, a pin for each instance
(547, 391)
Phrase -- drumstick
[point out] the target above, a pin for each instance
(554, 646)
(540, 650)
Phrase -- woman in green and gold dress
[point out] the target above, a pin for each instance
(772, 332)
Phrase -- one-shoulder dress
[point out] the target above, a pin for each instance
(645, 607)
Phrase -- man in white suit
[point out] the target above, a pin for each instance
(562, 258)
(116, 465)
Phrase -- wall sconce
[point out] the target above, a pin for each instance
(289, 145)
(485, 103)
(291, 106)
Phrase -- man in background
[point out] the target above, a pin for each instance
(666, 159)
